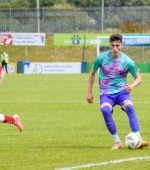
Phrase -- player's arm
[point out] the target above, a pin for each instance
(96, 65)
(90, 87)
(137, 81)
(2, 74)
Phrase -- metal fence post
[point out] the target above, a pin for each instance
(102, 16)
(38, 15)
(10, 20)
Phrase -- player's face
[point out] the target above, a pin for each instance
(115, 48)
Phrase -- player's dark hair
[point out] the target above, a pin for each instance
(115, 37)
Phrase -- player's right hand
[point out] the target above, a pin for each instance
(89, 98)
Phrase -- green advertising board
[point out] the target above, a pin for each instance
(79, 39)
(143, 67)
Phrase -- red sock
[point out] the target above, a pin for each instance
(9, 119)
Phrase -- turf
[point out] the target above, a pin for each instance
(61, 129)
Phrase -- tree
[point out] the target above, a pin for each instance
(76, 3)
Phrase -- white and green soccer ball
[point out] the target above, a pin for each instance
(132, 141)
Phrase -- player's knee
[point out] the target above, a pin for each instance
(129, 107)
(126, 103)
(106, 108)
(106, 104)
(106, 111)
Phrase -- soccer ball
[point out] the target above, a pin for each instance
(133, 141)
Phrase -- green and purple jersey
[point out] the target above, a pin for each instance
(113, 71)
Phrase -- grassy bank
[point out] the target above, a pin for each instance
(51, 53)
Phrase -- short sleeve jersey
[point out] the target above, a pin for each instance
(113, 71)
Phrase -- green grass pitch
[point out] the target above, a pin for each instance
(61, 129)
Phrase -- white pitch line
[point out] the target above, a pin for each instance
(104, 163)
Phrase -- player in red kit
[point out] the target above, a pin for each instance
(9, 119)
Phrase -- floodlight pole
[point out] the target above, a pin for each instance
(38, 15)
(102, 16)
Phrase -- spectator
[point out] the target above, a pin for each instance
(4, 60)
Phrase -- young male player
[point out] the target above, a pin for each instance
(9, 119)
(113, 68)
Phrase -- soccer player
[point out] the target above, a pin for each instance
(9, 119)
(113, 68)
